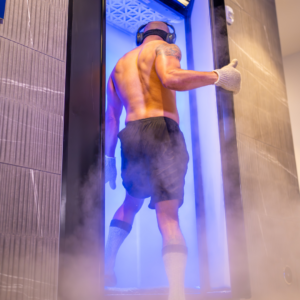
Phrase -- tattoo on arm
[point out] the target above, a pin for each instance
(169, 50)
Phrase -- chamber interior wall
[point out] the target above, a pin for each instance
(139, 263)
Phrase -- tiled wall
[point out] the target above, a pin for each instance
(32, 83)
(270, 189)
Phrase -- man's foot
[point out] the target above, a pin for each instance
(110, 280)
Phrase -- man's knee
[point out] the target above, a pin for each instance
(167, 209)
(133, 204)
(167, 216)
(168, 222)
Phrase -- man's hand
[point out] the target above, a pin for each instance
(229, 77)
(110, 171)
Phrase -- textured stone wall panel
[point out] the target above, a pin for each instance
(30, 137)
(31, 77)
(29, 233)
(29, 268)
(30, 202)
(37, 24)
(32, 91)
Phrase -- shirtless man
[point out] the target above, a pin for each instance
(153, 150)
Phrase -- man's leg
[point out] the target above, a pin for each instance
(119, 229)
(174, 247)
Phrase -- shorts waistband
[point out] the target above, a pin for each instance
(145, 120)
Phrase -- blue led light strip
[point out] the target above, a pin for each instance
(2, 8)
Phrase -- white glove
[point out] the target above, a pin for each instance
(110, 171)
(229, 77)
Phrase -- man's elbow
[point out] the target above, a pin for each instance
(111, 121)
(172, 83)
(171, 80)
(168, 82)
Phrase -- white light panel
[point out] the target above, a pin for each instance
(129, 15)
(184, 2)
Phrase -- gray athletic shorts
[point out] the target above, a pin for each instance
(154, 159)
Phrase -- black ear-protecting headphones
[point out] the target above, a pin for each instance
(167, 37)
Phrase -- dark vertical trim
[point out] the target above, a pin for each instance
(236, 236)
(198, 182)
(82, 206)
(62, 223)
(102, 134)
(66, 122)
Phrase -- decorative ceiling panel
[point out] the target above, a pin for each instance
(129, 15)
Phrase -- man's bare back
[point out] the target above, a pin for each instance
(138, 86)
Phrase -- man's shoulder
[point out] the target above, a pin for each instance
(169, 50)
(125, 63)
(149, 50)
(154, 44)
(126, 56)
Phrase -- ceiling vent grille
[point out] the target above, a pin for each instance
(129, 15)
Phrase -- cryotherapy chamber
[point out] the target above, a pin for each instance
(139, 264)
(211, 217)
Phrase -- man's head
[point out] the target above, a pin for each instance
(156, 28)
(157, 25)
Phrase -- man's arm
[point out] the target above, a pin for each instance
(171, 75)
(168, 69)
(112, 119)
